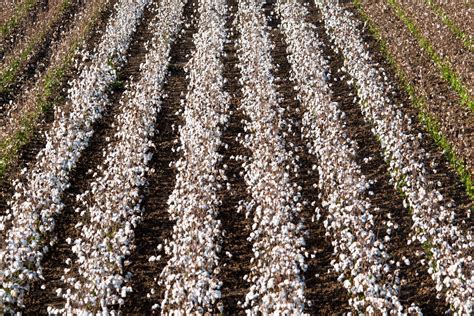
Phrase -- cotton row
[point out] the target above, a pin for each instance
(191, 276)
(111, 208)
(37, 199)
(361, 258)
(276, 279)
(434, 226)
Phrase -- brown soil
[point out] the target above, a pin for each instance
(442, 40)
(156, 226)
(23, 28)
(235, 226)
(457, 122)
(81, 176)
(40, 58)
(8, 9)
(461, 13)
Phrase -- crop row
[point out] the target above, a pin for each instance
(22, 116)
(451, 60)
(447, 20)
(457, 17)
(111, 208)
(96, 279)
(20, 13)
(37, 199)
(447, 130)
(191, 276)
(361, 256)
(276, 279)
(17, 60)
(433, 217)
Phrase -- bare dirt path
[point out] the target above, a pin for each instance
(236, 249)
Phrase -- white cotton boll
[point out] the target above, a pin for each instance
(347, 284)
(123, 293)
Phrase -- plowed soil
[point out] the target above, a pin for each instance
(456, 121)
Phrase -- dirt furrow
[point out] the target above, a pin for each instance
(41, 55)
(447, 46)
(9, 8)
(324, 293)
(81, 176)
(461, 13)
(156, 226)
(236, 250)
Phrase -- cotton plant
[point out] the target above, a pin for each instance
(110, 209)
(276, 280)
(434, 226)
(361, 259)
(29, 221)
(191, 275)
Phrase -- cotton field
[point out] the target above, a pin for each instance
(271, 157)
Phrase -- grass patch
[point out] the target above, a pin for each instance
(428, 249)
(3, 166)
(419, 102)
(463, 37)
(117, 85)
(21, 12)
(446, 72)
